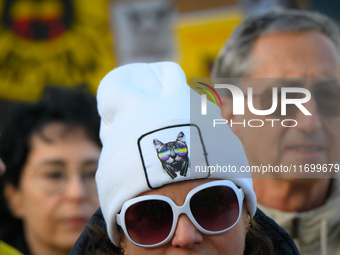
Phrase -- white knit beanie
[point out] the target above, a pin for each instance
(144, 108)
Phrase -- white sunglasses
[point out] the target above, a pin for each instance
(213, 207)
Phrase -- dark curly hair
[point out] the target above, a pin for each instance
(73, 108)
(257, 242)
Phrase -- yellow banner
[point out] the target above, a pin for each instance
(201, 35)
(53, 42)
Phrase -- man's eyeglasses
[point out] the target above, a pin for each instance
(213, 207)
(326, 93)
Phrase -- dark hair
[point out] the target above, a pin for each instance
(101, 243)
(73, 108)
(257, 243)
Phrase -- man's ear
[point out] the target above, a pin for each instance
(227, 108)
(227, 114)
(14, 200)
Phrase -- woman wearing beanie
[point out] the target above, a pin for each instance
(163, 180)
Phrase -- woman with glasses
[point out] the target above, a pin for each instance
(51, 150)
(169, 182)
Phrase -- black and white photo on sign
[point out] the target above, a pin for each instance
(143, 30)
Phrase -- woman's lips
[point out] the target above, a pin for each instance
(76, 221)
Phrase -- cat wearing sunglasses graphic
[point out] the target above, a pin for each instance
(173, 156)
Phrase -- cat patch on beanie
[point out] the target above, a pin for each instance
(173, 156)
(170, 155)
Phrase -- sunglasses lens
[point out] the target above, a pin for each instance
(164, 155)
(215, 208)
(181, 151)
(149, 222)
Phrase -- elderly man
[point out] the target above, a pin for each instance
(290, 44)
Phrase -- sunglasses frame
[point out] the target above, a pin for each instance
(178, 210)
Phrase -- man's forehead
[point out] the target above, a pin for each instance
(301, 54)
(262, 84)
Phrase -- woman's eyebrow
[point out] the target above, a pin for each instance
(56, 162)
(93, 161)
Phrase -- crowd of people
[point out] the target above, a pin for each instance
(117, 175)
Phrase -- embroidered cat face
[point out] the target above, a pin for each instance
(173, 156)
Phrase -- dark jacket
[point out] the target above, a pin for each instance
(282, 242)
(89, 241)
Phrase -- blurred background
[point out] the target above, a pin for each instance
(77, 42)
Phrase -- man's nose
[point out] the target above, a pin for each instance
(309, 123)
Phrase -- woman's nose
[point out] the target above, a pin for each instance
(186, 234)
(76, 188)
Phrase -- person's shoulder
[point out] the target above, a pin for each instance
(6, 249)
(282, 241)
